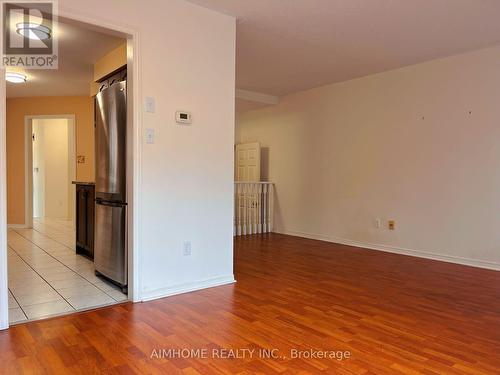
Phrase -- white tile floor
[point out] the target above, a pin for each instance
(47, 277)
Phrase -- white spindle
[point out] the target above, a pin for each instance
(245, 219)
(235, 212)
(251, 206)
(271, 210)
(258, 209)
(266, 208)
(238, 202)
(255, 212)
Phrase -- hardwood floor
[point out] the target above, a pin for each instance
(393, 314)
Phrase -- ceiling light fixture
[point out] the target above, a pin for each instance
(33, 31)
(14, 77)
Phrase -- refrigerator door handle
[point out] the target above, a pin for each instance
(109, 204)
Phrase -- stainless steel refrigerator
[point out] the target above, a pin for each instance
(110, 241)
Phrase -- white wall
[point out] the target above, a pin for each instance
(398, 145)
(186, 61)
(52, 183)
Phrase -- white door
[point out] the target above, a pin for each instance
(248, 162)
(248, 170)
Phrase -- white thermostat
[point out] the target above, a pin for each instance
(183, 117)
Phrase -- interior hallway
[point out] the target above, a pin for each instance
(47, 277)
(395, 314)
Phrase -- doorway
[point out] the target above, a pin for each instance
(51, 161)
(46, 276)
(56, 231)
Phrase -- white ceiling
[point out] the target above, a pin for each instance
(285, 46)
(79, 48)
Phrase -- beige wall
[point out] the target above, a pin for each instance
(110, 62)
(420, 145)
(17, 109)
(107, 64)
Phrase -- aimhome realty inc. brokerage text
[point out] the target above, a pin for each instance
(246, 353)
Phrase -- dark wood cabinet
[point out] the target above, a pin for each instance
(85, 201)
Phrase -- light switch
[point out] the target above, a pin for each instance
(150, 105)
(150, 136)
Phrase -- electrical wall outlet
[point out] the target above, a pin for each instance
(391, 224)
(378, 223)
(187, 248)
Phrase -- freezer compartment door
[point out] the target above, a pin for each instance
(110, 251)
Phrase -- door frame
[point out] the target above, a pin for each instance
(28, 159)
(134, 150)
(4, 294)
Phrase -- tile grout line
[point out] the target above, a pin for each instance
(63, 244)
(18, 304)
(51, 315)
(75, 271)
(48, 236)
(72, 270)
(40, 276)
(68, 267)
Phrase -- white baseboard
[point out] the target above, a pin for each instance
(186, 288)
(399, 250)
